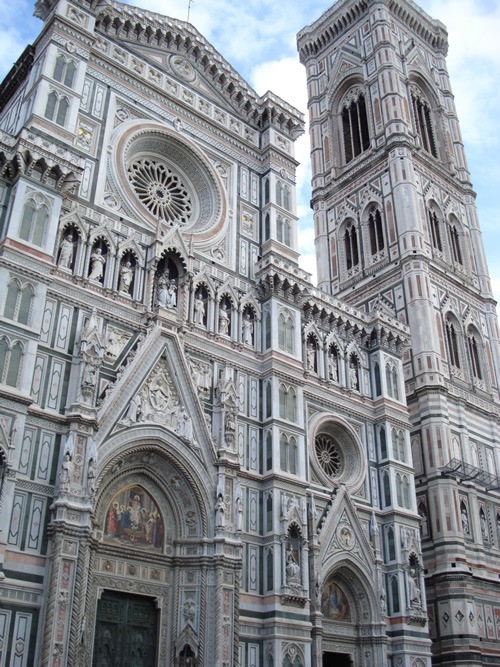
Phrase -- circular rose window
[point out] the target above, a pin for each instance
(167, 179)
(337, 455)
(161, 191)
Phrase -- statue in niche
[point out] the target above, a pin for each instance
(353, 376)
(172, 296)
(167, 293)
(247, 329)
(133, 518)
(311, 356)
(66, 252)
(202, 375)
(126, 277)
(292, 567)
(465, 521)
(91, 483)
(333, 373)
(97, 262)
(224, 321)
(230, 426)
(484, 526)
(189, 611)
(413, 587)
(199, 310)
(66, 472)
(219, 511)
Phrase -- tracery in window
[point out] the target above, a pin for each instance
(386, 488)
(403, 490)
(452, 343)
(286, 332)
(18, 302)
(423, 122)
(283, 231)
(456, 251)
(64, 71)
(287, 403)
(34, 221)
(351, 246)
(398, 445)
(434, 230)
(392, 380)
(11, 354)
(355, 126)
(474, 357)
(376, 232)
(57, 108)
(283, 195)
(288, 454)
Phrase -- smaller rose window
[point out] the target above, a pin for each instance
(161, 191)
(328, 455)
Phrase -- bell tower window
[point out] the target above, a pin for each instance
(423, 123)
(434, 231)
(351, 247)
(355, 128)
(376, 232)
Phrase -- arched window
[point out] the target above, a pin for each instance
(376, 232)
(394, 597)
(57, 108)
(267, 330)
(423, 123)
(286, 333)
(382, 442)
(64, 71)
(403, 491)
(391, 544)
(267, 227)
(452, 343)
(434, 231)
(269, 512)
(266, 191)
(391, 380)
(351, 246)
(288, 403)
(283, 231)
(11, 354)
(473, 347)
(293, 454)
(376, 373)
(283, 451)
(398, 445)
(34, 222)
(279, 229)
(269, 399)
(18, 302)
(456, 251)
(386, 486)
(269, 569)
(279, 193)
(269, 451)
(286, 197)
(355, 127)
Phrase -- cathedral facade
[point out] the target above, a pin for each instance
(205, 459)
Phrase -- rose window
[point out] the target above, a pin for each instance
(328, 455)
(161, 191)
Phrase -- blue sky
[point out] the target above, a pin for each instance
(258, 38)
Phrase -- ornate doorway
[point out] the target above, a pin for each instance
(337, 660)
(126, 630)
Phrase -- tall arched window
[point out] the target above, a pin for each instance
(286, 333)
(351, 246)
(18, 302)
(423, 122)
(382, 442)
(64, 71)
(34, 222)
(391, 380)
(288, 403)
(57, 108)
(269, 451)
(473, 347)
(434, 231)
(355, 127)
(386, 487)
(376, 232)
(456, 251)
(452, 343)
(11, 354)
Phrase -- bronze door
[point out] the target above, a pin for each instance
(125, 634)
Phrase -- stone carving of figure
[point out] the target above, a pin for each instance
(97, 262)
(239, 513)
(162, 294)
(223, 321)
(484, 527)
(465, 522)
(66, 472)
(199, 310)
(171, 296)
(126, 277)
(219, 511)
(413, 587)
(91, 477)
(66, 252)
(247, 329)
(189, 611)
(332, 368)
(353, 376)
(229, 423)
(311, 356)
(292, 567)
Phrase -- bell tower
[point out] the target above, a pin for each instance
(396, 226)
